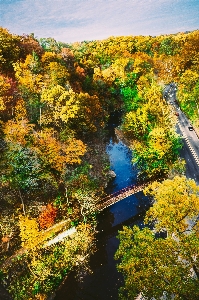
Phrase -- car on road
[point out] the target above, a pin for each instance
(190, 128)
(176, 113)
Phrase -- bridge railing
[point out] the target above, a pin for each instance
(114, 197)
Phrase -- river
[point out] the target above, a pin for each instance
(104, 281)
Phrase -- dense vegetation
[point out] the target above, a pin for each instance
(155, 266)
(55, 102)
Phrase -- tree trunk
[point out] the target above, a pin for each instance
(23, 207)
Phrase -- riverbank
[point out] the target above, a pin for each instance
(97, 158)
(120, 135)
(103, 280)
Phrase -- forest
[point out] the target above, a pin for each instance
(55, 103)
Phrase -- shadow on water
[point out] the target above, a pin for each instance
(104, 281)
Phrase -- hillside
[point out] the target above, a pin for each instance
(55, 103)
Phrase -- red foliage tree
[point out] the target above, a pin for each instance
(47, 217)
(28, 44)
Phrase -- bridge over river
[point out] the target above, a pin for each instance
(105, 202)
(120, 195)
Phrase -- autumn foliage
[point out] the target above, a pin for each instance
(55, 103)
(47, 217)
(29, 232)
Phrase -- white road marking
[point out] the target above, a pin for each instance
(189, 145)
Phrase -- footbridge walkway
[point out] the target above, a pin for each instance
(120, 195)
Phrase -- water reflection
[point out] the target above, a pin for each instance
(120, 162)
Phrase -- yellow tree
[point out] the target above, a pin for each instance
(188, 88)
(54, 69)
(19, 111)
(29, 232)
(188, 56)
(61, 105)
(27, 74)
(18, 132)
(136, 123)
(90, 112)
(55, 154)
(115, 70)
(176, 205)
(58, 262)
(158, 140)
(30, 83)
(156, 155)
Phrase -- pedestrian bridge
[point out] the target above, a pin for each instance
(120, 195)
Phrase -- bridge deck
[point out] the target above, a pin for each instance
(120, 195)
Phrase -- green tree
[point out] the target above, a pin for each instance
(156, 155)
(155, 266)
(51, 45)
(25, 168)
(129, 92)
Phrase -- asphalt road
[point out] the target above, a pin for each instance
(190, 150)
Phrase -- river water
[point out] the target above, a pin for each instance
(104, 281)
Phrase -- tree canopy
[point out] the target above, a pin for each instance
(55, 103)
(156, 266)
